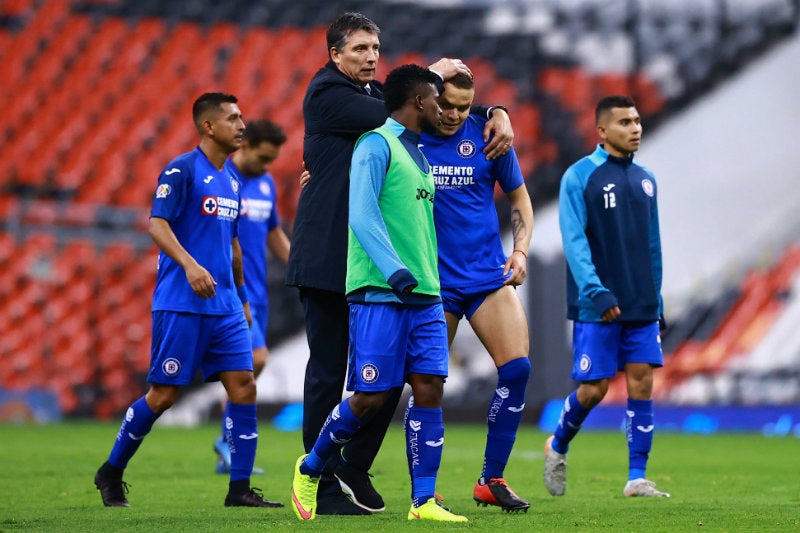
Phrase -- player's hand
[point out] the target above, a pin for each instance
(500, 126)
(201, 281)
(446, 68)
(247, 314)
(305, 176)
(611, 314)
(518, 266)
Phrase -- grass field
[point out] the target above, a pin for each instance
(718, 483)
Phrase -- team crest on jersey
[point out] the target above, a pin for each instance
(264, 188)
(647, 185)
(466, 148)
(585, 363)
(171, 367)
(209, 205)
(369, 373)
(235, 185)
(163, 190)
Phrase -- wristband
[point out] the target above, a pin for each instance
(241, 290)
(491, 110)
(521, 251)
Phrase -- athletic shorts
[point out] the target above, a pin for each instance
(600, 349)
(388, 342)
(465, 301)
(258, 331)
(184, 342)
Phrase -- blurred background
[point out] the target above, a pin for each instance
(98, 94)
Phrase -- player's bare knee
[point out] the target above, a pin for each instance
(161, 397)
(427, 390)
(590, 393)
(365, 404)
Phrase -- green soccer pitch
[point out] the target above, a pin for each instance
(724, 482)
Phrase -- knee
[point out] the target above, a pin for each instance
(160, 398)
(518, 369)
(243, 389)
(428, 391)
(365, 404)
(592, 393)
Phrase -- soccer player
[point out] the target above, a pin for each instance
(259, 230)
(609, 227)
(342, 102)
(397, 327)
(200, 308)
(477, 278)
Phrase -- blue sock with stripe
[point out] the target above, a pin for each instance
(639, 428)
(569, 423)
(337, 430)
(241, 432)
(138, 422)
(424, 443)
(504, 416)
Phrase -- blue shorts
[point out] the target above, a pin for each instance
(465, 301)
(258, 331)
(389, 342)
(600, 350)
(184, 342)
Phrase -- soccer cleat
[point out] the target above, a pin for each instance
(431, 510)
(112, 491)
(643, 487)
(252, 498)
(555, 469)
(357, 484)
(304, 492)
(497, 492)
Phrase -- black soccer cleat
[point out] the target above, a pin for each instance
(252, 498)
(112, 490)
(357, 485)
(497, 492)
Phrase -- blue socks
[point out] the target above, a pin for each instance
(137, 423)
(504, 416)
(241, 434)
(639, 429)
(569, 423)
(424, 442)
(338, 429)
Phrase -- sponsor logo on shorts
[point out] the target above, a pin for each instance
(585, 364)
(171, 367)
(369, 373)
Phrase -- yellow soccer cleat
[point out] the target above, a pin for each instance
(431, 510)
(304, 493)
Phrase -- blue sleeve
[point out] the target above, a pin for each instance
(507, 171)
(367, 174)
(655, 251)
(274, 218)
(171, 191)
(572, 221)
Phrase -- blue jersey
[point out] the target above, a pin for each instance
(258, 216)
(467, 228)
(608, 216)
(201, 204)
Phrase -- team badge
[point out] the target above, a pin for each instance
(466, 148)
(171, 367)
(647, 185)
(585, 363)
(163, 190)
(264, 188)
(369, 373)
(235, 185)
(209, 205)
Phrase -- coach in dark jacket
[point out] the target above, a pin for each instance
(342, 102)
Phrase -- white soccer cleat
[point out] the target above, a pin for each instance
(555, 469)
(643, 487)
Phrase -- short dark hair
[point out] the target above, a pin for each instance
(607, 103)
(344, 25)
(403, 83)
(262, 130)
(462, 81)
(207, 102)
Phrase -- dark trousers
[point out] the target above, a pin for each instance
(327, 330)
